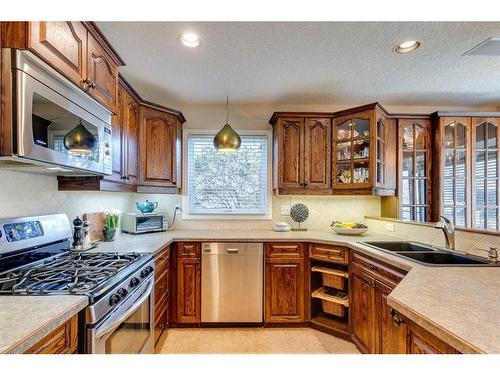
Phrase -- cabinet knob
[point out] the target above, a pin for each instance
(89, 83)
(372, 267)
(397, 321)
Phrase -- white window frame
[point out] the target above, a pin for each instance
(187, 215)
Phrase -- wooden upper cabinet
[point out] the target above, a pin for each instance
(290, 144)
(118, 138)
(131, 142)
(364, 147)
(317, 153)
(75, 49)
(159, 146)
(102, 75)
(302, 153)
(414, 163)
(63, 45)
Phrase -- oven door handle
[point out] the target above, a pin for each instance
(128, 313)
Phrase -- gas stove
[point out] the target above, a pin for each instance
(35, 259)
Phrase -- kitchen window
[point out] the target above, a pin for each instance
(234, 183)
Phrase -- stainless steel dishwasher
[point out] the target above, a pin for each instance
(232, 282)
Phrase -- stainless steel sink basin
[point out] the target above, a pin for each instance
(398, 246)
(427, 254)
(444, 259)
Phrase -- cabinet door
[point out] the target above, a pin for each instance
(158, 135)
(317, 153)
(102, 75)
(289, 137)
(455, 170)
(63, 340)
(285, 283)
(118, 138)
(353, 146)
(131, 140)
(188, 290)
(365, 312)
(63, 45)
(392, 329)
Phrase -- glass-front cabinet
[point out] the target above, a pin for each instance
(414, 160)
(468, 173)
(362, 157)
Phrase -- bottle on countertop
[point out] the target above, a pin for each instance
(77, 234)
(86, 243)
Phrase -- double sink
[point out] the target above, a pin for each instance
(428, 255)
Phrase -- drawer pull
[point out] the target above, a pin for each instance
(372, 267)
(397, 321)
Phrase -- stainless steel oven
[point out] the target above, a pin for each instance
(129, 329)
(46, 107)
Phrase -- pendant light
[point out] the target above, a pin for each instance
(79, 140)
(227, 140)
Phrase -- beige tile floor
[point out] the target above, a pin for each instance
(254, 341)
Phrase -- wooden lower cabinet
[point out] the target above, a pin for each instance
(188, 288)
(392, 330)
(285, 285)
(162, 294)
(365, 312)
(421, 341)
(63, 340)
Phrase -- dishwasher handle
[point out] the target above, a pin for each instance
(232, 251)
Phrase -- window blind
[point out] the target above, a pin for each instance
(221, 182)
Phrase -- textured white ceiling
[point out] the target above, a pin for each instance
(309, 62)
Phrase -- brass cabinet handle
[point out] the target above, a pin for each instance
(89, 83)
(397, 321)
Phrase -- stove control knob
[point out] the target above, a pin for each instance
(144, 273)
(114, 299)
(150, 269)
(134, 282)
(122, 292)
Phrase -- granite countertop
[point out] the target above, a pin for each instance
(467, 317)
(25, 320)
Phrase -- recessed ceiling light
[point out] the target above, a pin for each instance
(190, 39)
(407, 46)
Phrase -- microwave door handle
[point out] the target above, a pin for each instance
(110, 328)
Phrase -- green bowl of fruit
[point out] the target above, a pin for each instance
(346, 227)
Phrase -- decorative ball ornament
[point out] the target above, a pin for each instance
(299, 213)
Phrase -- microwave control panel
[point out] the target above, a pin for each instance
(108, 163)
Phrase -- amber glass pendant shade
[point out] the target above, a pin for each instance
(79, 140)
(227, 140)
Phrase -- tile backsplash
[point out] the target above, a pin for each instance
(25, 194)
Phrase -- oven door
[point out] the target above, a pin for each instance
(129, 329)
(48, 107)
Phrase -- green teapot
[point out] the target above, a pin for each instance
(146, 207)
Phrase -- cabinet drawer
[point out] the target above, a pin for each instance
(389, 275)
(161, 260)
(161, 287)
(63, 340)
(189, 249)
(286, 250)
(330, 253)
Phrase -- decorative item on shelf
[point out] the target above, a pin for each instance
(79, 140)
(146, 207)
(299, 213)
(77, 234)
(360, 175)
(227, 140)
(344, 176)
(281, 227)
(340, 227)
(111, 225)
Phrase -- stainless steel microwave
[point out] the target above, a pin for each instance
(143, 223)
(45, 107)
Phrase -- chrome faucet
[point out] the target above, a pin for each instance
(449, 231)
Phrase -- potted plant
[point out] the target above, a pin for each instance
(111, 225)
